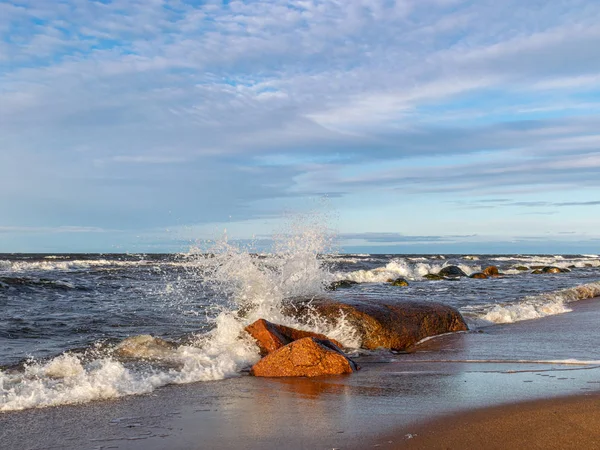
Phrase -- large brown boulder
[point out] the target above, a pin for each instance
(391, 325)
(307, 357)
(270, 336)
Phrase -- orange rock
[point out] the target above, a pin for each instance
(270, 336)
(491, 271)
(307, 357)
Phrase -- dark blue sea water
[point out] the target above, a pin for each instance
(63, 316)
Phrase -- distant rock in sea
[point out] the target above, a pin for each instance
(341, 284)
(399, 282)
(479, 275)
(452, 271)
(491, 271)
(552, 269)
(433, 277)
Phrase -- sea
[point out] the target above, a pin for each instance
(65, 318)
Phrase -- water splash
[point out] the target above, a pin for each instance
(243, 286)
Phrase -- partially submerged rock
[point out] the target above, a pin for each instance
(144, 346)
(452, 271)
(491, 271)
(552, 269)
(341, 284)
(390, 325)
(522, 268)
(270, 336)
(399, 282)
(549, 269)
(433, 277)
(479, 275)
(307, 357)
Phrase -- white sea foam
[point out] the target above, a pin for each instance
(556, 260)
(69, 379)
(51, 265)
(524, 311)
(400, 267)
(531, 307)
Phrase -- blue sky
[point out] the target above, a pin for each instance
(428, 125)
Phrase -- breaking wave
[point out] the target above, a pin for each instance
(249, 286)
(401, 267)
(60, 265)
(531, 307)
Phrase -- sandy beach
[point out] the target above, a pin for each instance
(435, 396)
(563, 423)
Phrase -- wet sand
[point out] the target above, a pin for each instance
(565, 423)
(392, 396)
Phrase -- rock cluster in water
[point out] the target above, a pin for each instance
(394, 326)
(288, 352)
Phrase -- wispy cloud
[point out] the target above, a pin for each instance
(61, 229)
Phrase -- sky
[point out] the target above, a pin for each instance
(412, 126)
